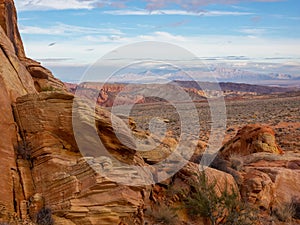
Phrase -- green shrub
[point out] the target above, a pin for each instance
(225, 208)
(162, 214)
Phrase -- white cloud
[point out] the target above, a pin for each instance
(53, 4)
(190, 5)
(253, 31)
(91, 47)
(142, 12)
(65, 29)
(161, 36)
(195, 4)
(85, 50)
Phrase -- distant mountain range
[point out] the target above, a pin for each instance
(129, 93)
(211, 74)
(235, 87)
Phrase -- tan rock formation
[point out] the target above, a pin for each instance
(15, 81)
(43, 78)
(180, 184)
(77, 187)
(269, 182)
(251, 139)
(8, 21)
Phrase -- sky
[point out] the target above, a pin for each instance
(67, 36)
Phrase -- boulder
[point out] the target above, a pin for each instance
(251, 139)
(270, 182)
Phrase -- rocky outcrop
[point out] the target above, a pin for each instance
(76, 187)
(175, 190)
(106, 94)
(15, 81)
(251, 139)
(8, 21)
(110, 94)
(43, 78)
(270, 181)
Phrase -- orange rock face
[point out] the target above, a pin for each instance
(251, 139)
(8, 21)
(15, 81)
(71, 183)
(270, 181)
(43, 78)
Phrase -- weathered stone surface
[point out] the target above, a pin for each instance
(179, 184)
(82, 190)
(14, 74)
(15, 81)
(258, 189)
(81, 179)
(251, 139)
(269, 181)
(43, 78)
(8, 21)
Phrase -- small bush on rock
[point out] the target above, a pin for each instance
(44, 217)
(225, 208)
(162, 214)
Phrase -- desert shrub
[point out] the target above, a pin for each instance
(44, 217)
(227, 207)
(160, 213)
(24, 150)
(285, 211)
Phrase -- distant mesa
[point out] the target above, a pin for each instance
(198, 91)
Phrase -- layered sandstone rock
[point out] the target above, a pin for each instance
(81, 190)
(173, 191)
(251, 139)
(15, 81)
(270, 181)
(8, 21)
(43, 78)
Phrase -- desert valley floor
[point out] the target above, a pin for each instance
(280, 112)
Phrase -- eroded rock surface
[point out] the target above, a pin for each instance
(81, 190)
(43, 78)
(251, 139)
(269, 181)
